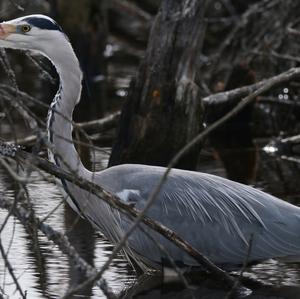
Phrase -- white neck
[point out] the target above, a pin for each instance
(60, 113)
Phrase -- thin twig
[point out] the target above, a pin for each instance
(173, 263)
(101, 124)
(24, 216)
(246, 90)
(16, 5)
(6, 219)
(277, 55)
(11, 271)
(239, 278)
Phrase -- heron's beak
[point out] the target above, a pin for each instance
(6, 30)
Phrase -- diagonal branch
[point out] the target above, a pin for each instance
(24, 216)
(11, 271)
(131, 211)
(234, 94)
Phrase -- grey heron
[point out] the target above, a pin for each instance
(215, 215)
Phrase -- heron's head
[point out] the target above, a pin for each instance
(35, 32)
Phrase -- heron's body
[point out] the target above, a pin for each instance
(215, 215)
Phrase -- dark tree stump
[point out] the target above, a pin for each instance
(163, 110)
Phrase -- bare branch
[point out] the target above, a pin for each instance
(293, 31)
(131, 9)
(232, 95)
(102, 124)
(11, 271)
(277, 55)
(238, 280)
(25, 217)
(16, 5)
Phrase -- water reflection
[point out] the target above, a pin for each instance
(280, 177)
(82, 237)
(154, 287)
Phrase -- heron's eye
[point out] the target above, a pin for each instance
(25, 28)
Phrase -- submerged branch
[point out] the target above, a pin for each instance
(11, 271)
(25, 217)
(232, 292)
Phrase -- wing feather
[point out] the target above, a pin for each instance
(216, 215)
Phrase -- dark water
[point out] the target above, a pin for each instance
(45, 273)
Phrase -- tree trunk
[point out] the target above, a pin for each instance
(163, 110)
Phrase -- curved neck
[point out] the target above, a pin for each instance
(60, 113)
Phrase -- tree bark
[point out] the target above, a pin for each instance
(163, 110)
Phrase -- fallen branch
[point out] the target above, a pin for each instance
(293, 31)
(276, 101)
(100, 125)
(25, 217)
(232, 292)
(130, 9)
(103, 124)
(232, 95)
(277, 55)
(293, 139)
(11, 271)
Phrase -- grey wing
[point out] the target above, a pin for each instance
(215, 215)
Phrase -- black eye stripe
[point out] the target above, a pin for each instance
(43, 23)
